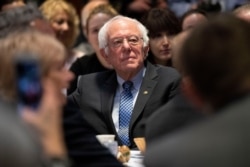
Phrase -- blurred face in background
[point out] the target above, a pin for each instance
(161, 45)
(60, 77)
(193, 20)
(93, 26)
(62, 26)
(97, 18)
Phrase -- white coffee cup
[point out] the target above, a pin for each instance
(108, 141)
(102, 138)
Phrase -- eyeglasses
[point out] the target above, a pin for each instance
(132, 41)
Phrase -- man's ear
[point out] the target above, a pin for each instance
(103, 54)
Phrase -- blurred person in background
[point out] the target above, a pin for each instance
(243, 12)
(83, 44)
(212, 7)
(222, 139)
(19, 147)
(46, 122)
(9, 4)
(65, 23)
(137, 8)
(192, 18)
(162, 25)
(179, 112)
(93, 62)
(23, 16)
(179, 7)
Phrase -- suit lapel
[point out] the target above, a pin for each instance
(148, 84)
(107, 93)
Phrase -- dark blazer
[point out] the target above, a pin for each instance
(95, 97)
(172, 116)
(83, 148)
(220, 141)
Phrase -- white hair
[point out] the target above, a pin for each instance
(103, 38)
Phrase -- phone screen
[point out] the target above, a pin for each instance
(28, 83)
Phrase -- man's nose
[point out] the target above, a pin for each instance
(125, 43)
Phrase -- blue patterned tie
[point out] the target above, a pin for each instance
(125, 111)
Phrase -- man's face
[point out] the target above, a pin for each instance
(125, 47)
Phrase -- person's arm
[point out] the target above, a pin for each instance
(83, 147)
(47, 123)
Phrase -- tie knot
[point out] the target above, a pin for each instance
(127, 85)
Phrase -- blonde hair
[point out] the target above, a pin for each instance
(51, 7)
(102, 8)
(88, 8)
(46, 48)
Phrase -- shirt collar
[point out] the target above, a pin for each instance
(137, 79)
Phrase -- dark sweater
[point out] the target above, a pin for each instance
(84, 65)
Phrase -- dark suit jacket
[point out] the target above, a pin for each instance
(220, 141)
(82, 146)
(95, 97)
(174, 115)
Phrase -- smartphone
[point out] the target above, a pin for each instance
(28, 75)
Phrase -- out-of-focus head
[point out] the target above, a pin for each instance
(86, 10)
(124, 44)
(10, 4)
(161, 20)
(63, 19)
(162, 25)
(138, 8)
(50, 53)
(178, 42)
(23, 17)
(243, 12)
(216, 59)
(192, 18)
(97, 18)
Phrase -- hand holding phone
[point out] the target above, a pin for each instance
(29, 86)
